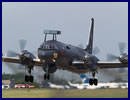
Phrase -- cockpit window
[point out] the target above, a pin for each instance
(67, 47)
(47, 47)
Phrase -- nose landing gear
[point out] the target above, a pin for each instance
(49, 69)
(47, 75)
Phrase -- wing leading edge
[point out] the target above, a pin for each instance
(104, 65)
(37, 62)
(101, 65)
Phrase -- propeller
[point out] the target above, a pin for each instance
(10, 53)
(121, 57)
(111, 57)
(16, 69)
(122, 47)
(22, 44)
(81, 46)
(96, 50)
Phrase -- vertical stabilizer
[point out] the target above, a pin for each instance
(85, 79)
(89, 47)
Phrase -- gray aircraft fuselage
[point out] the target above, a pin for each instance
(66, 54)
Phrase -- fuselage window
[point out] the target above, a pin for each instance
(41, 46)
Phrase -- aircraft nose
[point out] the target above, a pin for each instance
(46, 55)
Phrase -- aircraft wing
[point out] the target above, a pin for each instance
(103, 65)
(37, 62)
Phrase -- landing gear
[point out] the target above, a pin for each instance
(90, 81)
(29, 78)
(26, 78)
(93, 81)
(49, 68)
(46, 76)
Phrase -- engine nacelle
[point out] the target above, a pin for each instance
(26, 58)
(123, 58)
(91, 60)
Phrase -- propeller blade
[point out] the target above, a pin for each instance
(34, 54)
(11, 67)
(96, 50)
(22, 44)
(111, 57)
(122, 47)
(80, 46)
(122, 70)
(21, 67)
(12, 53)
(16, 68)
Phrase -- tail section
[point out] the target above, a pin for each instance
(84, 78)
(89, 47)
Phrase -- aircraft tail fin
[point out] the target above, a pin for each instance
(84, 78)
(89, 47)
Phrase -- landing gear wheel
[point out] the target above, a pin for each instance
(91, 81)
(95, 81)
(48, 76)
(26, 78)
(45, 76)
(31, 78)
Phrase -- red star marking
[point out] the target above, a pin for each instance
(63, 53)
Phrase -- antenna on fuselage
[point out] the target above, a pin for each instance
(52, 32)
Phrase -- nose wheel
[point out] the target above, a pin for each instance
(93, 81)
(46, 76)
(29, 78)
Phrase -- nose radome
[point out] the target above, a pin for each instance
(45, 55)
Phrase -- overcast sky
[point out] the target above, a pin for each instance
(28, 20)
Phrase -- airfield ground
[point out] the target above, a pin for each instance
(71, 93)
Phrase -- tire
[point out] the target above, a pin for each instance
(45, 76)
(48, 76)
(90, 81)
(26, 78)
(95, 81)
(31, 79)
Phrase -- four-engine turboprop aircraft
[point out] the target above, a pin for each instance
(53, 55)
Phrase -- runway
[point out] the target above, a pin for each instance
(71, 93)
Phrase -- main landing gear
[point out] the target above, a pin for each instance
(29, 78)
(93, 81)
